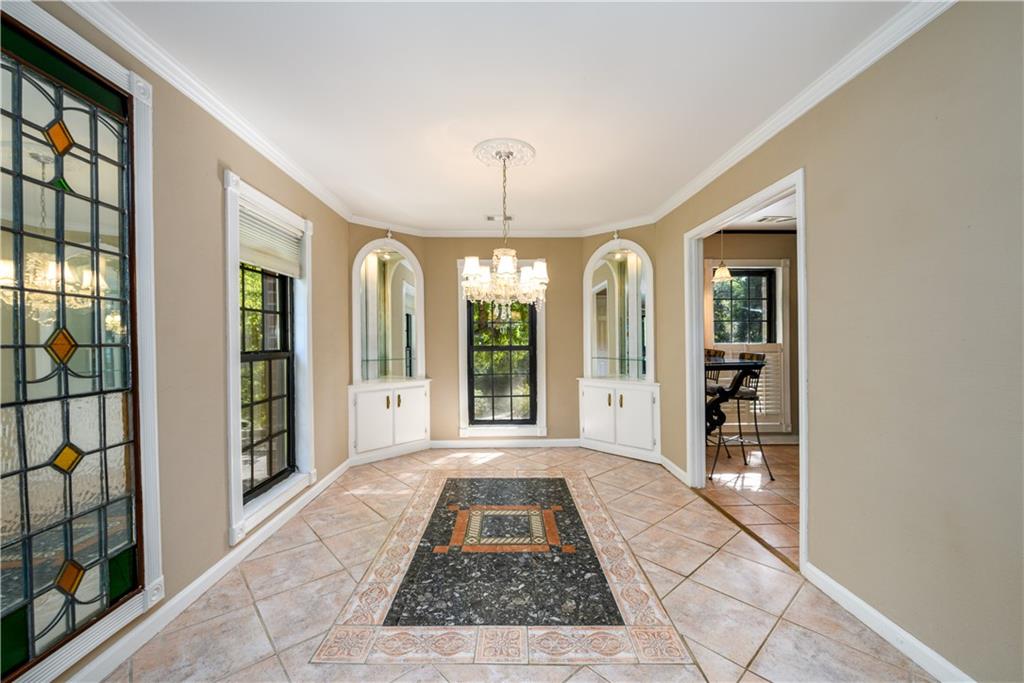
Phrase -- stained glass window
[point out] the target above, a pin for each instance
(268, 452)
(502, 364)
(69, 541)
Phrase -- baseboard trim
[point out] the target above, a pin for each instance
(125, 646)
(506, 443)
(925, 657)
(676, 471)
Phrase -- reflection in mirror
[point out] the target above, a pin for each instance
(389, 315)
(618, 297)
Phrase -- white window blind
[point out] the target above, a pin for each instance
(268, 240)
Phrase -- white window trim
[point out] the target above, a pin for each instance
(244, 517)
(465, 428)
(48, 27)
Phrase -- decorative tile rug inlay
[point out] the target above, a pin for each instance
(503, 568)
(504, 552)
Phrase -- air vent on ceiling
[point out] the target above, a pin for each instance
(776, 219)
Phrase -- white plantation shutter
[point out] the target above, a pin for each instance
(772, 408)
(268, 239)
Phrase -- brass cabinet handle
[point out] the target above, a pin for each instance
(609, 400)
(387, 402)
(620, 400)
(399, 400)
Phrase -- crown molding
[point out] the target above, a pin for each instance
(905, 23)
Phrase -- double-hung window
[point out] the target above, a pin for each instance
(270, 377)
(502, 365)
(268, 444)
(744, 307)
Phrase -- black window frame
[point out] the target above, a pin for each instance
(472, 347)
(771, 313)
(286, 352)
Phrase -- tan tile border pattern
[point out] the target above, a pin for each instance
(648, 635)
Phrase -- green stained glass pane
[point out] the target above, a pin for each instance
(14, 640)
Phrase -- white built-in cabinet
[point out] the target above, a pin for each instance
(619, 400)
(389, 399)
(387, 418)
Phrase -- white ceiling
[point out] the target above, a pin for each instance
(626, 104)
(756, 220)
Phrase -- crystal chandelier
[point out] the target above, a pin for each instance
(504, 282)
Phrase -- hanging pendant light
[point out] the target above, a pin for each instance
(722, 273)
(504, 282)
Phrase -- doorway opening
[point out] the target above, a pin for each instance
(746, 391)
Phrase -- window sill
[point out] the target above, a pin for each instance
(503, 430)
(258, 510)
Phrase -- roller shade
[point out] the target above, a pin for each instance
(267, 241)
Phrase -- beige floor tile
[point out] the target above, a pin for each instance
(787, 514)
(422, 674)
(668, 489)
(716, 668)
(732, 628)
(358, 571)
(560, 458)
(628, 526)
(607, 492)
(411, 479)
(287, 569)
(586, 675)
(227, 595)
(706, 526)
(724, 496)
(504, 673)
(359, 546)
(388, 505)
(300, 613)
(751, 582)
(267, 671)
(625, 478)
(794, 653)
(642, 507)
(335, 520)
(387, 485)
(672, 551)
(206, 651)
(403, 463)
(333, 497)
(814, 610)
(296, 663)
(745, 546)
(779, 535)
(749, 514)
(751, 677)
(292, 534)
(661, 579)
(648, 673)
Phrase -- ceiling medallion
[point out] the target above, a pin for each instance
(504, 283)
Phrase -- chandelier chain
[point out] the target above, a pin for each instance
(504, 198)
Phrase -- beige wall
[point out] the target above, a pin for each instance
(914, 258)
(191, 151)
(914, 262)
(769, 246)
(564, 321)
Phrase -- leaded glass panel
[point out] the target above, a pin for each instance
(68, 548)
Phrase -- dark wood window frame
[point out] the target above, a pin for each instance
(267, 357)
(471, 374)
(769, 316)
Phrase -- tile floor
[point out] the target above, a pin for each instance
(769, 509)
(742, 613)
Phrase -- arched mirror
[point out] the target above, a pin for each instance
(387, 313)
(618, 313)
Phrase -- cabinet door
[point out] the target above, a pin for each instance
(597, 413)
(634, 418)
(410, 414)
(374, 419)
